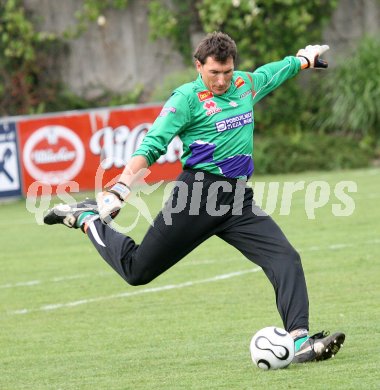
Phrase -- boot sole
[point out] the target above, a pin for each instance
(332, 347)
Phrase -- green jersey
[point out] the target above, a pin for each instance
(216, 130)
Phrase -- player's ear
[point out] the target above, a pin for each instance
(198, 66)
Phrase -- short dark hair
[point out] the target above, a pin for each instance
(217, 45)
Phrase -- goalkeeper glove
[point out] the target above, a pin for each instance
(111, 201)
(309, 56)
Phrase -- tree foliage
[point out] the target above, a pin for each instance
(175, 20)
(22, 59)
(29, 81)
(264, 30)
(90, 11)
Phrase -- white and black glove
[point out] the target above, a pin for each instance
(309, 56)
(111, 201)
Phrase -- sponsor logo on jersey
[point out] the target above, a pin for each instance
(234, 121)
(239, 82)
(211, 108)
(205, 95)
(167, 110)
(233, 104)
(245, 94)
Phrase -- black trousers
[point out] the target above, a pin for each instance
(202, 205)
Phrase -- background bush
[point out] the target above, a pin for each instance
(307, 151)
(350, 99)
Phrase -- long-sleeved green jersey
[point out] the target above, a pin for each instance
(216, 130)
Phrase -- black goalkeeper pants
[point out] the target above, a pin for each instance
(202, 205)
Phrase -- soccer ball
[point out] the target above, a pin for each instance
(272, 348)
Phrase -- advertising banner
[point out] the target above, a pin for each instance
(76, 147)
(10, 183)
(53, 150)
(117, 135)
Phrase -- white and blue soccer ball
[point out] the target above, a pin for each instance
(272, 348)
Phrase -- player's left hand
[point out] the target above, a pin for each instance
(111, 201)
(109, 205)
(309, 56)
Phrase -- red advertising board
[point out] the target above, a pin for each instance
(74, 147)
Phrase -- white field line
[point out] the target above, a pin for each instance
(335, 247)
(161, 288)
(52, 280)
(32, 283)
(56, 306)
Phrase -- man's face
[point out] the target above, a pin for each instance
(216, 75)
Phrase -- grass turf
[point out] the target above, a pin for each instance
(69, 322)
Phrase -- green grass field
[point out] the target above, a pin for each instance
(67, 321)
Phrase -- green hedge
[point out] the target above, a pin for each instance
(305, 152)
(350, 97)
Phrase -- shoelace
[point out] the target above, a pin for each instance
(320, 335)
(316, 337)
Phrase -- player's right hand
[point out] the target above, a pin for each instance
(309, 56)
(111, 201)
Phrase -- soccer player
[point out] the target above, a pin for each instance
(214, 118)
